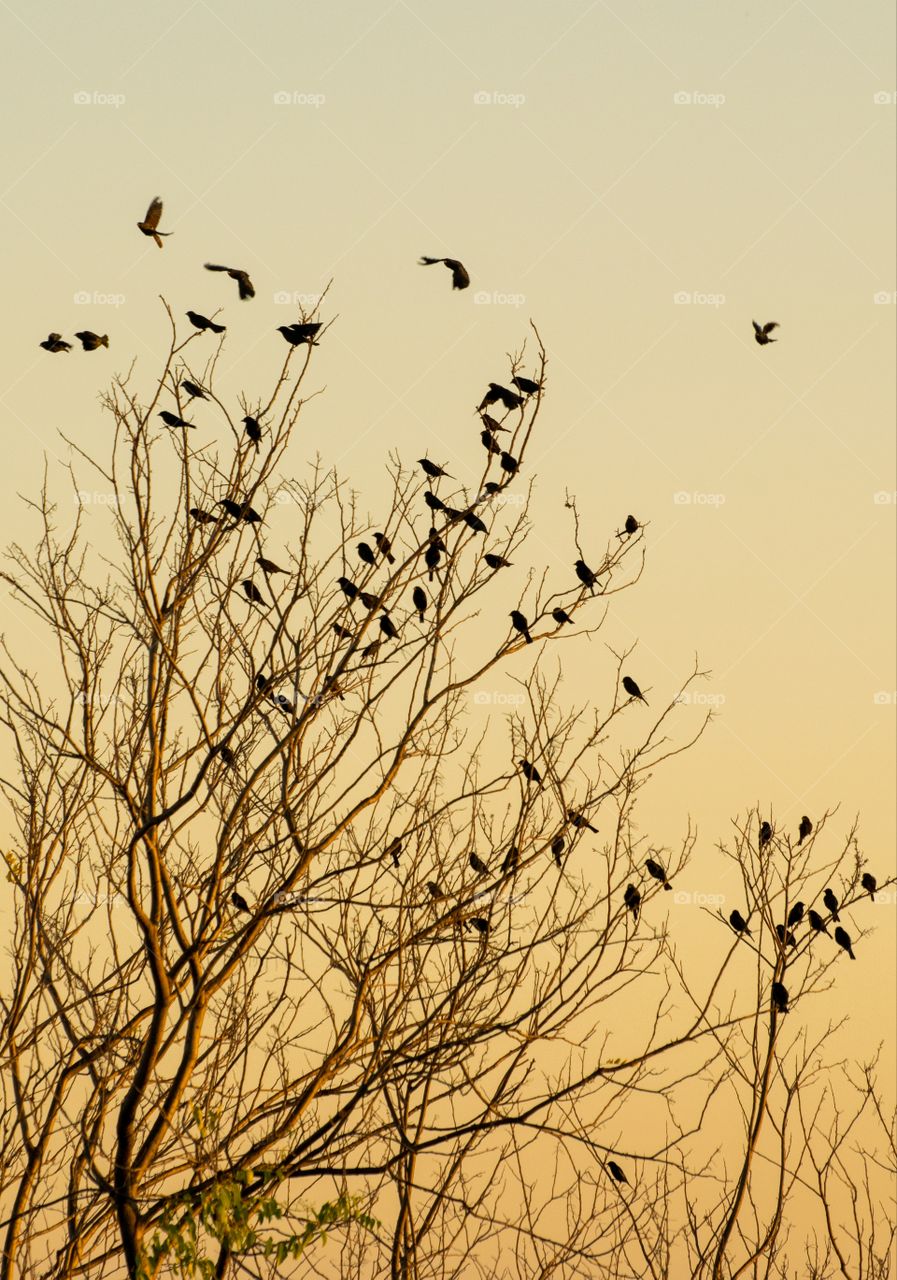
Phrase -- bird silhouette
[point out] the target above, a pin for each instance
(657, 871)
(203, 322)
(242, 278)
(430, 469)
(580, 822)
(804, 829)
(796, 914)
(435, 891)
(478, 923)
(253, 429)
(530, 772)
(240, 902)
(817, 922)
(869, 883)
(419, 599)
(557, 848)
(631, 526)
(388, 627)
(585, 574)
(779, 997)
(150, 224)
(633, 900)
(492, 425)
(785, 936)
(393, 849)
(54, 342)
(366, 554)
(499, 394)
(762, 332)
(172, 419)
(519, 623)
(368, 599)
(496, 562)
(509, 464)
(343, 632)
(560, 617)
(268, 566)
(616, 1172)
(90, 341)
(202, 517)
(527, 386)
(384, 546)
(460, 278)
(295, 334)
(225, 753)
(348, 588)
(633, 690)
(284, 703)
(432, 556)
(490, 444)
(511, 859)
(831, 904)
(478, 865)
(370, 651)
(472, 521)
(765, 834)
(193, 389)
(434, 503)
(739, 924)
(252, 592)
(842, 937)
(240, 511)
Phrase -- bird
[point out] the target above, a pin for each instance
(370, 651)
(527, 386)
(478, 865)
(496, 394)
(193, 390)
(804, 829)
(557, 848)
(490, 444)
(633, 900)
(253, 430)
(202, 517)
(496, 562)
(481, 925)
(252, 592)
(578, 821)
(779, 997)
(473, 522)
(869, 883)
(262, 683)
(460, 278)
(419, 599)
(842, 937)
(298, 333)
(633, 690)
(490, 489)
(631, 526)
(616, 1172)
(368, 599)
(530, 772)
(343, 632)
(90, 341)
(817, 922)
(54, 342)
(739, 924)
(203, 322)
(240, 902)
(150, 224)
(796, 914)
(519, 623)
(561, 616)
(657, 871)
(172, 419)
(765, 834)
(511, 858)
(831, 903)
(432, 556)
(762, 332)
(240, 511)
(435, 891)
(508, 463)
(349, 589)
(585, 574)
(434, 503)
(286, 706)
(366, 554)
(226, 754)
(430, 469)
(242, 278)
(393, 849)
(384, 546)
(387, 626)
(785, 936)
(492, 425)
(268, 566)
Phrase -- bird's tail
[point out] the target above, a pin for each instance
(217, 328)
(667, 885)
(428, 262)
(105, 340)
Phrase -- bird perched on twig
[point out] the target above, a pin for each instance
(253, 430)
(478, 865)
(384, 546)
(779, 997)
(796, 914)
(434, 503)
(817, 922)
(252, 592)
(430, 469)
(150, 224)
(240, 902)
(172, 420)
(586, 576)
(843, 939)
(530, 772)
(91, 341)
(519, 623)
(460, 278)
(202, 517)
(765, 835)
(557, 849)
(561, 616)
(831, 904)
(527, 386)
(804, 829)
(193, 389)
(616, 1172)
(869, 883)
(242, 278)
(492, 425)
(785, 936)
(240, 511)
(295, 334)
(473, 522)
(633, 690)
(435, 890)
(387, 626)
(490, 444)
(633, 900)
(580, 822)
(499, 394)
(419, 600)
(762, 332)
(657, 871)
(496, 562)
(393, 849)
(203, 322)
(510, 860)
(509, 464)
(268, 566)
(739, 924)
(631, 526)
(366, 554)
(54, 342)
(478, 923)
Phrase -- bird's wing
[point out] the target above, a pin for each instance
(246, 287)
(757, 328)
(460, 278)
(768, 328)
(53, 337)
(428, 262)
(211, 266)
(153, 214)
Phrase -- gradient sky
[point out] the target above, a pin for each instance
(306, 143)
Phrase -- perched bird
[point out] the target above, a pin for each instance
(490, 489)
(226, 754)
(202, 517)
(432, 556)
(561, 616)
(817, 922)
(419, 599)
(557, 848)
(739, 924)
(343, 632)
(434, 503)
(370, 651)
(842, 937)
(268, 566)
(831, 904)
(578, 821)
(150, 224)
(631, 526)
(511, 858)
(785, 936)
(90, 341)
(286, 706)
(295, 334)
(240, 902)
(252, 592)
(496, 394)
(509, 464)
(869, 883)
(762, 332)
(387, 626)
(633, 900)
(203, 322)
(779, 997)
(765, 834)
(53, 342)
(253, 430)
(490, 444)
(263, 683)
(804, 829)
(478, 865)
(585, 574)
(435, 891)
(492, 425)
(530, 772)
(460, 278)
(657, 871)
(527, 386)
(193, 390)
(366, 554)
(478, 923)
(393, 849)
(633, 690)
(796, 914)
(242, 278)
(496, 562)
(172, 420)
(430, 469)
(473, 522)
(616, 1172)
(368, 599)
(349, 589)
(519, 623)
(384, 546)
(240, 511)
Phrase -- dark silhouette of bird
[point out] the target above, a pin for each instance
(203, 322)
(202, 517)
(478, 865)
(843, 939)
(54, 342)
(349, 589)
(343, 632)
(368, 599)
(370, 651)
(762, 332)
(90, 341)
(580, 822)
(419, 599)
(193, 390)
(435, 891)
(240, 902)
(393, 849)
(765, 834)
(387, 626)
(384, 546)
(785, 936)
(831, 903)
(150, 224)
(657, 871)
(225, 753)
(295, 334)
(616, 1172)
(561, 616)
(631, 526)
(633, 690)
(268, 566)
(432, 556)
(519, 623)
(284, 703)
(557, 849)
(804, 829)
(240, 511)
(490, 489)
(527, 386)
(252, 592)
(498, 394)
(796, 914)
(817, 922)
(739, 924)
(633, 900)
(253, 430)
(172, 419)
(434, 503)
(511, 858)
(779, 997)
(478, 923)
(869, 883)
(263, 684)
(490, 444)
(496, 562)
(509, 464)
(492, 425)
(472, 521)
(366, 554)
(242, 278)
(585, 574)
(430, 469)
(460, 278)
(530, 772)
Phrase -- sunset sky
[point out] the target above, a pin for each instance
(640, 180)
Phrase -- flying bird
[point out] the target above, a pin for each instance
(530, 772)
(430, 469)
(616, 1172)
(657, 871)
(496, 562)
(498, 394)
(796, 914)
(633, 690)
(527, 386)
(384, 546)
(268, 566)
(831, 903)
(150, 224)
(578, 821)
(762, 332)
(203, 322)
(842, 937)
(561, 616)
(252, 592)
(739, 924)
(779, 997)
(478, 865)
(765, 834)
(869, 883)
(366, 554)
(519, 623)
(419, 599)
(172, 419)
(242, 278)
(460, 278)
(54, 342)
(295, 334)
(633, 900)
(193, 389)
(804, 829)
(585, 574)
(817, 922)
(785, 936)
(90, 341)
(240, 902)
(253, 430)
